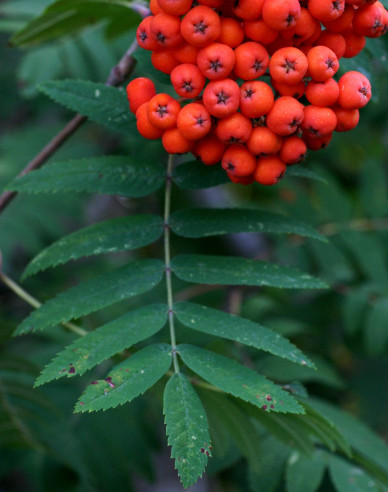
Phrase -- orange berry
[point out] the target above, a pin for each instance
(256, 99)
(318, 121)
(326, 10)
(293, 151)
(322, 93)
(175, 143)
(281, 14)
(185, 53)
(221, 97)
(209, 149)
(216, 61)
(165, 30)
(232, 32)
(269, 170)
(296, 91)
(288, 65)
(347, 119)
(354, 90)
(252, 60)
(139, 91)
(175, 7)
(248, 9)
(162, 111)
(335, 41)
(164, 61)
(317, 143)
(144, 36)
(258, 31)
(234, 129)
(262, 141)
(238, 161)
(144, 127)
(194, 121)
(187, 80)
(201, 26)
(285, 116)
(354, 43)
(322, 63)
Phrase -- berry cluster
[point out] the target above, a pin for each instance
(216, 50)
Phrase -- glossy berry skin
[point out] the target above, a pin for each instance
(162, 111)
(139, 91)
(187, 80)
(269, 170)
(232, 32)
(216, 61)
(238, 161)
(285, 116)
(288, 65)
(281, 14)
(322, 63)
(318, 121)
(209, 149)
(175, 143)
(194, 121)
(293, 150)
(263, 142)
(354, 90)
(256, 99)
(322, 93)
(144, 127)
(234, 129)
(221, 98)
(252, 60)
(201, 26)
(347, 119)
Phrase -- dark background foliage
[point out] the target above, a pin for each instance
(343, 330)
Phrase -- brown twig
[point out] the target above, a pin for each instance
(116, 77)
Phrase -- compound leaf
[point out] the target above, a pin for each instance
(218, 323)
(305, 473)
(350, 478)
(120, 234)
(127, 380)
(113, 175)
(94, 294)
(102, 104)
(238, 380)
(194, 176)
(187, 429)
(202, 222)
(65, 17)
(228, 270)
(105, 341)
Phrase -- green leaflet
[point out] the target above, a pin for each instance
(237, 424)
(228, 270)
(120, 234)
(238, 380)
(187, 429)
(127, 380)
(65, 17)
(376, 327)
(113, 175)
(194, 175)
(360, 437)
(218, 323)
(105, 341)
(303, 473)
(303, 172)
(202, 222)
(349, 478)
(94, 294)
(102, 104)
(272, 463)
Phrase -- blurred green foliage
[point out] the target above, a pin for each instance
(343, 330)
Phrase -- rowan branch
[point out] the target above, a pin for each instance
(116, 77)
